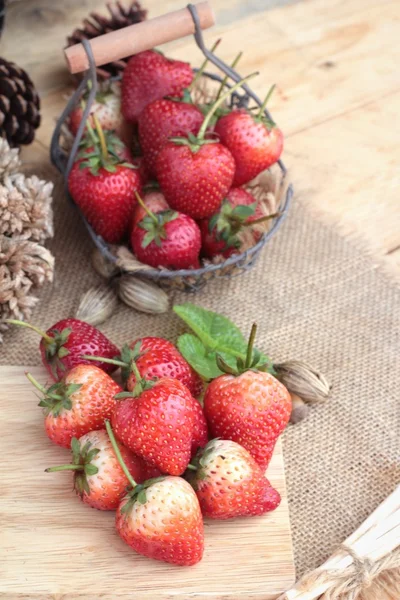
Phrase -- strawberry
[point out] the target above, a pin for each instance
(166, 239)
(103, 186)
(163, 119)
(153, 200)
(154, 358)
(194, 172)
(254, 141)
(99, 480)
(200, 430)
(107, 108)
(221, 232)
(63, 345)
(90, 142)
(161, 517)
(156, 421)
(150, 76)
(250, 407)
(229, 483)
(78, 403)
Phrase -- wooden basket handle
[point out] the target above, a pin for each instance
(139, 37)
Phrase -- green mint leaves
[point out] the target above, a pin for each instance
(215, 335)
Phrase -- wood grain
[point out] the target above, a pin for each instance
(55, 547)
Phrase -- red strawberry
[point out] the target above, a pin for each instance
(162, 120)
(251, 408)
(194, 178)
(254, 143)
(221, 232)
(63, 345)
(104, 186)
(150, 76)
(157, 423)
(90, 144)
(229, 483)
(196, 173)
(78, 403)
(200, 431)
(167, 239)
(154, 201)
(107, 108)
(99, 480)
(162, 520)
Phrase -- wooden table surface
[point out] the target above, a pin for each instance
(336, 66)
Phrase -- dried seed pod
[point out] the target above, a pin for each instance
(303, 380)
(97, 304)
(102, 265)
(299, 409)
(142, 295)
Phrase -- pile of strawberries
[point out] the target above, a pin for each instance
(165, 174)
(144, 450)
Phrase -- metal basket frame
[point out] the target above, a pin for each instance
(192, 279)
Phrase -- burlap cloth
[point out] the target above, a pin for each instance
(317, 297)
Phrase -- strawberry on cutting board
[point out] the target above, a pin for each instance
(166, 239)
(160, 518)
(99, 480)
(248, 406)
(229, 483)
(103, 186)
(64, 343)
(150, 76)
(253, 140)
(78, 403)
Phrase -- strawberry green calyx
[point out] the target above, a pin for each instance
(154, 224)
(81, 464)
(138, 491)
(250, 363)
(57, 397)
(228, 222)
(195, 142)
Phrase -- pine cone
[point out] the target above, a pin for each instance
(19, 105)
(97, 25)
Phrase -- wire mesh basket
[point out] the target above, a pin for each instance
(269, 184)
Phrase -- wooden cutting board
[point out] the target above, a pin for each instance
(53, 547)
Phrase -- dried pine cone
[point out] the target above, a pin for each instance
(23, 265)
(97, 25)
(19, 104)
(25, 207)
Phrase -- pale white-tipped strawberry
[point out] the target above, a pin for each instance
(229, 483)
(98, 477)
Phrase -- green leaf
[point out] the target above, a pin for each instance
(197, 355)
(215, 331)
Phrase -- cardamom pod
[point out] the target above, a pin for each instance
(300, 410)
(102, 265)
(97, 304)
(142, 295)
(303, 380)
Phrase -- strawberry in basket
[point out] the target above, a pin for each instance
(103, 185)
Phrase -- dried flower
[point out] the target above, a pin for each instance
(97, 304)
(142, 295)
(303, 380)
(9, 159)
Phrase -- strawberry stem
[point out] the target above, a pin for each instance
(261, 220)
(250, 345)
(47, 338)
(145, 208)
(264, 104)
(65, 468)
(102, 139)
(118, 454)
(109, 361)
(91, 132)
(218, 103)
(37, 385)
(225, 79)
(202, 67)
(191, 467)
